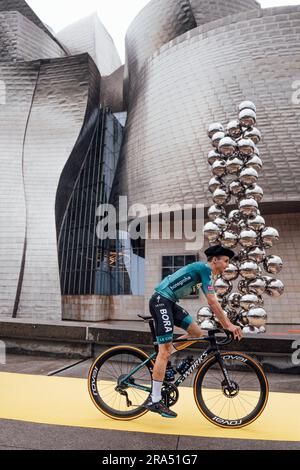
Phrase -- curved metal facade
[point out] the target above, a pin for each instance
(21, 81)
(207, 11)
(200, 77)
(22, 7)
(48, 113)
(20, 39)
(47, 127)
(89, 35)
(160, 21)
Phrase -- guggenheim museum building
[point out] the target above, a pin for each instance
(80, 129)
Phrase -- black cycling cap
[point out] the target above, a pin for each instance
(219, 250)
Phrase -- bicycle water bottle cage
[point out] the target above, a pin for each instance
(170, 373)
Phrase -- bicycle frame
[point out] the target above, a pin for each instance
(213, 348)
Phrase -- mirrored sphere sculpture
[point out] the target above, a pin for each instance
(236, 163)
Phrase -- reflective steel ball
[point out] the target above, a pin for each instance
(256, 151)
(257, 317)
(248, 176)
(215, 127)
(208, 325)
(256, 254)
(234, 165)
(243, 317)
(216, 211)
(249, 300)
(255, 163)
(216, 139)
(229, 239)
(247, 105)
(227, 146)
(222, 287)
(256, 223)
(220, 196)
(211, 232)
(273, 264)
(234, 300)
(204, 313)
(234, 129)
(213, 157)
(257, 286)
(248, 238)
(247, 118)
(236, 188)
(243, 287)
(249, 270)
(234, 216)
(221, 222)
(248, 207)
(219, 168)
(269, 236)
(253, 134)
(275, 288)
(246, 147)
(215, 183)
(231, 272)
(249, 329)
(254, 192)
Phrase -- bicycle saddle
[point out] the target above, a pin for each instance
(145, 317)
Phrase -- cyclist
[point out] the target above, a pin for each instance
(166, 313)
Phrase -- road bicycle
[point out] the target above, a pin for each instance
(230, 388)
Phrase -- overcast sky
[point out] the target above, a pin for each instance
(116, 15)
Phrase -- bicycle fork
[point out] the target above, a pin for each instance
(229, 387)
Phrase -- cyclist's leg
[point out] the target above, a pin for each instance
(161, 310)
(184, 320)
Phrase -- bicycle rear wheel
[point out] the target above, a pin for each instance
(236, 407)
(110, 394)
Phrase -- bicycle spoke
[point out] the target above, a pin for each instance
(217, 401)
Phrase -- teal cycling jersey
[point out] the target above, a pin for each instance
(180, 284)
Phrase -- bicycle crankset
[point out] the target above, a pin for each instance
(170, 394)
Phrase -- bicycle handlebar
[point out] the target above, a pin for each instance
(229, 338)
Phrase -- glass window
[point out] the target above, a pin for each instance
(167, 261)
(88, 265)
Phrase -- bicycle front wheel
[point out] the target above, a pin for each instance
(236, 406)
(111, 391)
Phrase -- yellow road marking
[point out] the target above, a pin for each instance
(65, 401)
